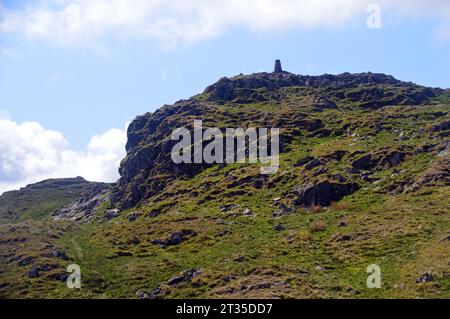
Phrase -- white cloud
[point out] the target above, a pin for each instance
(68, 22)
(4, 114)
(30, 153)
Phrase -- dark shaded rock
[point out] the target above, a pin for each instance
(227, 279)
(314, 163)
(379, 160)
(175, 280)
(33, 273)
(60, 254)
(154, 213)
(186, 276)
(58, 277)
(124, 254)
(322, 193)
(226, 208)
(323, 132)
(279, 227)
(425, 277)
(26, 261)
(283, 211)
(144, 295)
(134, 216)
(175, 238)
(223, 233)
(446, 238)
(47, 267)
(393, 159)
(304, 161)
(439, 127)
(364, 163)
(133, 241)
(336, 156)
(342, 224)
(112, 213)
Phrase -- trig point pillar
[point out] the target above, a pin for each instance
(278, 68)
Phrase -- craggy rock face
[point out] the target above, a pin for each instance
(148, 165)
(148, 168)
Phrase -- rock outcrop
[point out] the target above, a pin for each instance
(148, 168)
(366, 90)
(41, 200)
(84, 209)
(322, 193)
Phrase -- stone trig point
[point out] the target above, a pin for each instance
(278, 68)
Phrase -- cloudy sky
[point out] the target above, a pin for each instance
(73, 73)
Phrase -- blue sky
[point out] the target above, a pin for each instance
(81, 85)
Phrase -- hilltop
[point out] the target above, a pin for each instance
(364, 179)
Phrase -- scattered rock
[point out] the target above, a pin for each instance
(227, 208)
(446, 238)
(364, 163)
(33, 273)
(439, 127)
(322, 193)
(175, 238)
(228, 279)
(340, 238)
(279, 227)
(281, 212)
(154, 213)
(59, 254)
(346, 238)
(124, 254)
(26, 261)
(304, 161)
(58, 277)
(425, 277)
(133, 241)
(85, 208)
(112, 213)
(314, 163)
(342, 224)
(134, 216)
(47, 267)
(384, 158)
(239, 258)
(186, 276)
(142, 294)
(247, 212)
(223, 233)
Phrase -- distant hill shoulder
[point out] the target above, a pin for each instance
(38, 201)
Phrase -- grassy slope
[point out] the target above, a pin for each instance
(401, 232)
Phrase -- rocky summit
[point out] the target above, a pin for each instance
(364, 179)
